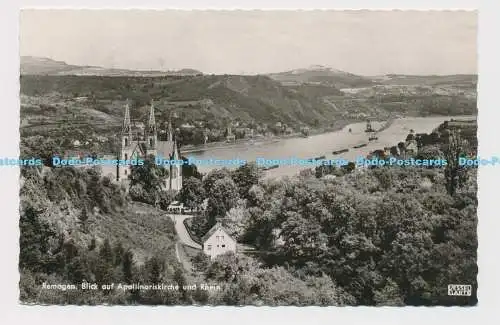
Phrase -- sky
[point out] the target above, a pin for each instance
(256, 42)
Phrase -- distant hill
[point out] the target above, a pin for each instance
(43, 66)
(37, 66)
(318, 74)
(430, 80)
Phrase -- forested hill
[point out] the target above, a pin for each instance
(77, 226)
(250, 98)
(323, 75)
(216, 100)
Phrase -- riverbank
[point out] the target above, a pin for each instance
(393, 132)
(338, 126)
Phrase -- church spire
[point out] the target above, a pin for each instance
(127, 128)
(170, 135)
(151, 132)
(152, 122)
(175, 149)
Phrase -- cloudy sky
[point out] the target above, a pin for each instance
(252, 42)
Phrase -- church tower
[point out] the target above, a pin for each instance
(170, 131)
(127, 145)
(151, 136)
(175, 177)
(174, 182)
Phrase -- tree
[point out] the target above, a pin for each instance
(118, 254)
(83, 218)
(192, 192)
(401, 147)
(350, 167)
(245, 177)
(235, 221)
(303, 238)
(454, 173)
(40, 146)
(190, 170)
(34, 240)
(430, 152)
(380, 154)
(410, 137)
(180, 280)
(128, 266)
(201, 262)
(384, 176)
(155, 267)
(150, 175)
(256, 196)
(104, 272)
(147, 182)
(214, 175)
(164, 198)
(394, 151)
(389, 295)
(93, 244)
(106, 253)
(221, 198)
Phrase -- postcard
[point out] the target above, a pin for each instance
(248, 158)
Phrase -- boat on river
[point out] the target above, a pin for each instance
(340, 151)
(373, 137)
(270, 167)
(360, 145)
(369, 127)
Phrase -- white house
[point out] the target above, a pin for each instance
(217, 241)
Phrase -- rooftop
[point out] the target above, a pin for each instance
(216, 227)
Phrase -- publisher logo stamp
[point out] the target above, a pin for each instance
(459, 290)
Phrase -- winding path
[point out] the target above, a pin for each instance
(182, 231)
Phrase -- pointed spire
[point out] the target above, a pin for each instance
(170, 136)
(175, 150)
(127, 129)
(152, 122)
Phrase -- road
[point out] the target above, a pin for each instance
(182, 231)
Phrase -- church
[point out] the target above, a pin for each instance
(139, 144)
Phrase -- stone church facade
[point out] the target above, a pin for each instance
(139, 144)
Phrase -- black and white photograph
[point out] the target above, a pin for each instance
(248, 158)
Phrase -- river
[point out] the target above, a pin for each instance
(323, 144)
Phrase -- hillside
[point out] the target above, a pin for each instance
(43, 66)
(78, 227)
(62, 194)
(324, 76)
(432, 80)
(248, 98)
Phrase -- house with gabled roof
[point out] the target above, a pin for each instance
(217, 241)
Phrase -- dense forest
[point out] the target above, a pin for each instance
(331, 236)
